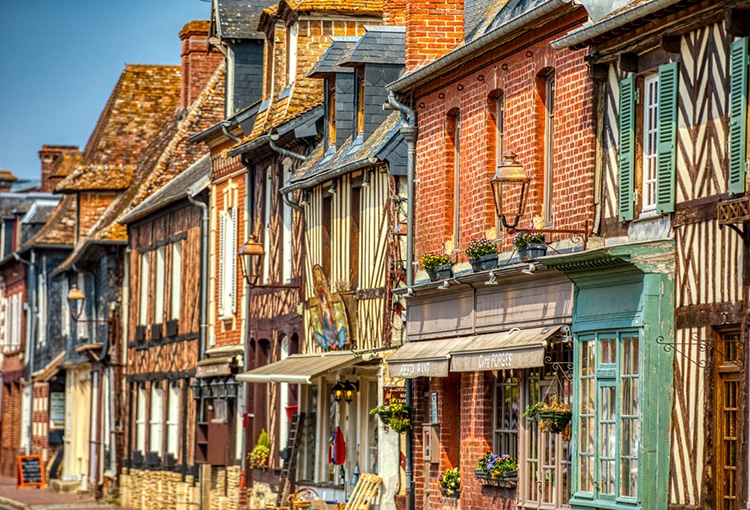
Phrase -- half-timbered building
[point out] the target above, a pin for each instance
(489, 338)
(671, 147)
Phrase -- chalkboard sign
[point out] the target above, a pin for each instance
(30, 471)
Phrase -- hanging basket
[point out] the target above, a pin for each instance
(554, 419)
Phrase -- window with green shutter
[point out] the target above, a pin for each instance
(667, 138)
(737, 115)
(627, 147)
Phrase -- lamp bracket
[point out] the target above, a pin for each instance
(704, 345)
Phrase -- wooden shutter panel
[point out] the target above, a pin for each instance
(222, 234)
(666, 138)
(738, 115)
(232, 254)
(627, 147)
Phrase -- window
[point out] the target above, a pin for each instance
(268, 66)
(267, 204)
(159, 276)
(354, 221)
(655, 137)
(228, 254)
(738, 115)
(325, 234)
(331, 112)
(506, 415)
(360, 99)
(727, 417)
(176, 280)
(173, 418)
(143, 301)
(140, 419)
(291, 52)
(546, 83)
(286, 233)
(156, 418)
(453, 184)
(609, 421)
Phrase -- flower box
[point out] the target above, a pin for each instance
(532, 252)
(499, 481)
(484, 263)
(440, 273)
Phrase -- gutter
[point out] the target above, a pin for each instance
(469, 51)
(583, 35)
(249, 146)
(290, 154)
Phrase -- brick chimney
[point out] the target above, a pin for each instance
(57, 162)
(394, 13)
(6, 180)
(433, 28)
(198, 63)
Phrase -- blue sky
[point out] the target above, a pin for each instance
(60, 60)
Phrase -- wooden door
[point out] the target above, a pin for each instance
(726, 423)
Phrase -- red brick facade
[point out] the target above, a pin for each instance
(198, 61)
(433, 28)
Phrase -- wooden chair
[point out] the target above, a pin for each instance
(364, 492)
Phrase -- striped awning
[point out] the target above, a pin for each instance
(301, 368)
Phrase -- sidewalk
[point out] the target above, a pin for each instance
(34, 498)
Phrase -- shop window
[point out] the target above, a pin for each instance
(506, 415)
(609, 422)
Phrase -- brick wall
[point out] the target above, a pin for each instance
(198, 62)
(40, 420)
(91, 207)
(51, 157)
(433, 28)
(10, 434)
(514, 71)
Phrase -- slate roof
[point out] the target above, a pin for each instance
(238, 19)
(41, 210)
(329, 62)
(59, 231)
(188, 183)
(143, 99)
(379, 45)
(498, 13)
(318, 168)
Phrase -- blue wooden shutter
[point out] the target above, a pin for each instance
(627, 147)
(666, 138)
(737, 115)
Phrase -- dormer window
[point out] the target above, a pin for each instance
(291, 52)
(360, 101)
(331, 112)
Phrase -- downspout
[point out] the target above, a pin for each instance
(289, 154)
(410, 131)
(228, 134)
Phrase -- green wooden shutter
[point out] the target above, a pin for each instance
(627, 147)
(738, 115)
(666, 138)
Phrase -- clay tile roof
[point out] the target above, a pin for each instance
(60, 229)
(200, 26)
(67, 164)
(339, 6)
(7, 175)
(143, 99)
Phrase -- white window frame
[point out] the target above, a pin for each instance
(292, 35)
(228, 262)
(286, 232)
(173, 418)
(650, 142)
(140, 419)
(176, 282)
(267, 225)
(143, 298)
(160, 267)
(156, 418)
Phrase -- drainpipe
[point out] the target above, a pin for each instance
(228, 134)
(290, 154)
(410, 131)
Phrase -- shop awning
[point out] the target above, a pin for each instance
(517, 348)
(300, 368)
(426, 358)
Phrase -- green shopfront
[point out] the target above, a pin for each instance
(623, 325)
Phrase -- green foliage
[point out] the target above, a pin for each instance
(479, 247)
(430, 262)
(258, 457)
(450, 482)
(396, 415)
(523, 239)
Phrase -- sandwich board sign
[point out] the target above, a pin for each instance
(30, 471)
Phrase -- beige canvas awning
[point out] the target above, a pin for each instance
(517, 348)
(426, 358)
(300, 368)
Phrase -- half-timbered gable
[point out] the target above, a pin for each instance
(668, 161)
(489, 327)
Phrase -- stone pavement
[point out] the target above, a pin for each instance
(34, 498)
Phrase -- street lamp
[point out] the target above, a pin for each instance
(350, 389)
(250, 254)
(75, 302)
(338, 392)
(510, 187)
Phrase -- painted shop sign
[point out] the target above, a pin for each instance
(213, 370)
(437, 368)
(499, 360)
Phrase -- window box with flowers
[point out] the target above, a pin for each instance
(438, 267)
(482, 253)
(450, 483)
(530, 245)
(497, 470)
(395, 415)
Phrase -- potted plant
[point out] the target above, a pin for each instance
(530, 245)
(438, 267)
(395, 415)
(554, 415)
(258, 457)
(450, 483)
(498, 470)
(482, 253)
